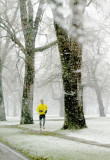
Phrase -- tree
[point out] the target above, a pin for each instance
(71, 57)
(93, 78)
(97, 47)
(5, 48)
(30, 29)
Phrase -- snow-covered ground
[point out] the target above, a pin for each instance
(58, 148)
(98, 129)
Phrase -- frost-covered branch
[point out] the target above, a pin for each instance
(40, 49)
(88, 4)
(6, 26)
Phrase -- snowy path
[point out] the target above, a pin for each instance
(62, 136)
(7, 153)
(98, 130)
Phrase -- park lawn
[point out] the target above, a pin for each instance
(40, 146)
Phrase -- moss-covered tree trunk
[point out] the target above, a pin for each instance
(71, 57)
(70, 52)
(74, 116)
(2, 108)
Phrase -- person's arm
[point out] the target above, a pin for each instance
(46, 109)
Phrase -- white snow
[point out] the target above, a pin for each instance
(52, 147)
(98, 129)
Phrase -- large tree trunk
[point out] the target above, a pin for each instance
(27, 101)
(2, 108)
(70, 52)
(71, 58)
(30, 29)
(74, 118)
(29, 37)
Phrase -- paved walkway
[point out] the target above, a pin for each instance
(7, 153)
(62, 136)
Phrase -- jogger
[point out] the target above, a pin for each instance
(42, 109)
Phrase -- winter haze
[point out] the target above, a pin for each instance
(54, 79)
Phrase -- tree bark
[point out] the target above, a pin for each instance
(71, 58)
(30, 29)
(27, 101)
(70, 52)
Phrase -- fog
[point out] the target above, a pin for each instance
(48, 83)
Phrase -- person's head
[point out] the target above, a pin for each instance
(41, 101)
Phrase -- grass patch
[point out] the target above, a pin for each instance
(23, 152)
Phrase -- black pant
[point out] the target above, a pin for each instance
(40, 119)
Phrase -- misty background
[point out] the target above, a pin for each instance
(48, 83)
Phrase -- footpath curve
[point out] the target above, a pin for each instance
(6, 153)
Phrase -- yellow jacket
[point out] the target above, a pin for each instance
(42, 108)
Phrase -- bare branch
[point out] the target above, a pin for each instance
(89, 3)
(12, 35)
(40, 49)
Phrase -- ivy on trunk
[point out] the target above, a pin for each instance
(70, 52)
(71, 58)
